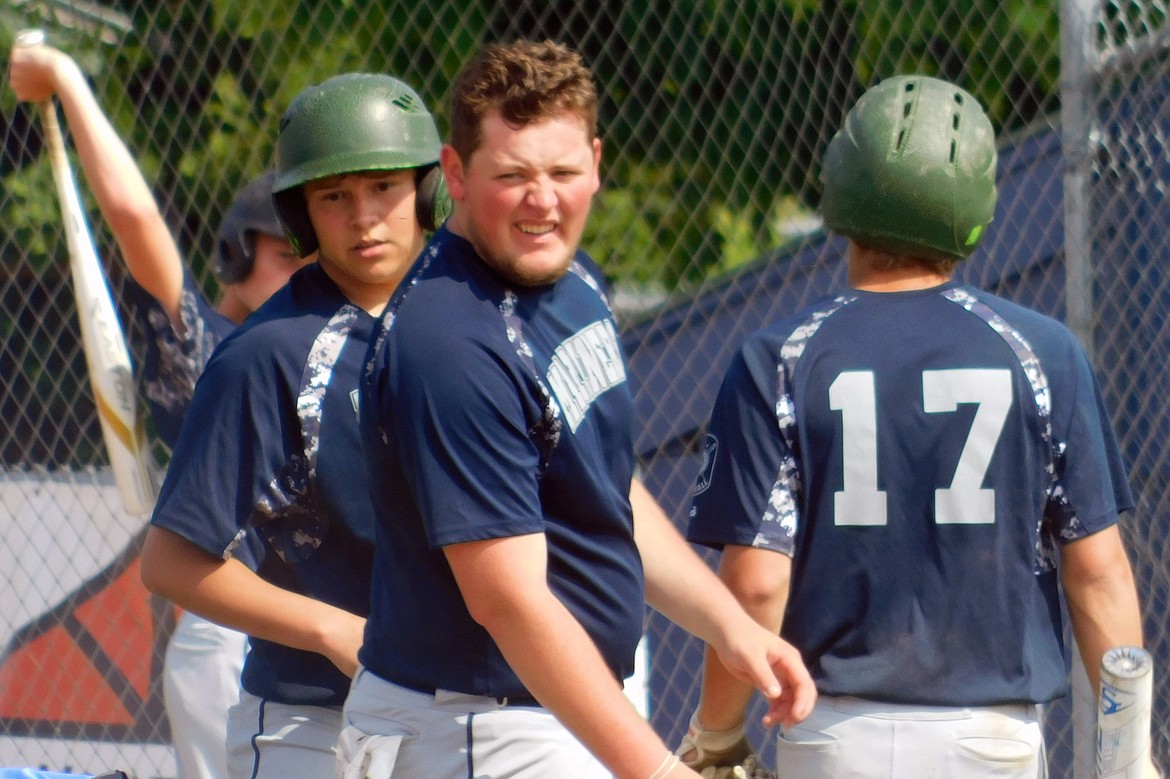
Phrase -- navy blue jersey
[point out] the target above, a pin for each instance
(175, 360)
(920, 455)
(271, 443)
(492, 411)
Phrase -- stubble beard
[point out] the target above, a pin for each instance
(512, 268)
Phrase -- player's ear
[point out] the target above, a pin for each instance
(596, 165)
(453, 172)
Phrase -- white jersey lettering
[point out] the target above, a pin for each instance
(584, 366)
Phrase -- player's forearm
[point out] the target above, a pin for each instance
(560, 665)
(231, 594)
(759, 581)
(1102, 598)
(679, 584)
(504, 585)
(1102, 621)
(724, 698)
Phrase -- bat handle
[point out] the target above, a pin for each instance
(29, 38)
(51, 127)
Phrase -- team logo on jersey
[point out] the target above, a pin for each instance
(585, 365)
(707, 467)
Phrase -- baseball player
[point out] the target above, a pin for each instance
(201, 669)
(907, 474)
(511, 540)
(277, 449)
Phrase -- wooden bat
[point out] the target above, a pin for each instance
(102, 337)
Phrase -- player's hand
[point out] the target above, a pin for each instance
(33, 71)
(342, 639)
(761, 658)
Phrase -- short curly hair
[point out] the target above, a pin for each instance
(525, 81)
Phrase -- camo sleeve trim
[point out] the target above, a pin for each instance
(1060, 519)
(781, 517)
(289, 515)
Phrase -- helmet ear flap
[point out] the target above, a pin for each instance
(432, 201)
(233, 260)
(294, 218)
(251, 211)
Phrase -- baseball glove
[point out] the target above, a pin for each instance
(719, 754)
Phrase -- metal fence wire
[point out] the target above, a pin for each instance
(714, 117)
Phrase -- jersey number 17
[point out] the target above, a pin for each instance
(964, 501)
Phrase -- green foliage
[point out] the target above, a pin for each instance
(713, 129)
(631, 227)
(32, 217)
(1005, 52)
(768, 82)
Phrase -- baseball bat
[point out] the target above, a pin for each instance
(102, 337)
(1123, 714)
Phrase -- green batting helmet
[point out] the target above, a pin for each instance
(348, 124)
(912, 171)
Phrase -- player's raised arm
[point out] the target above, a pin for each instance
(43, 72)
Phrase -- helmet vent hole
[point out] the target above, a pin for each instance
(901, 140)
(907, 107)
(955, 122)
(954, 151)
(407, 103)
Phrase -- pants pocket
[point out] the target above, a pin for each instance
(803, 753)
(362, 756)
(1006, 748)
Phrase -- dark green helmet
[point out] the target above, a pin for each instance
(912, 171)
(351, 123)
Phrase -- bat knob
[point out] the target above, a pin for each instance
(30, 37)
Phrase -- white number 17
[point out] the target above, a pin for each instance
(964, 502)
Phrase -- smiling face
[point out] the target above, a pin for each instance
(367, 231)
(524, 195)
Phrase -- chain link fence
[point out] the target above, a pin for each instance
(714, 117)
